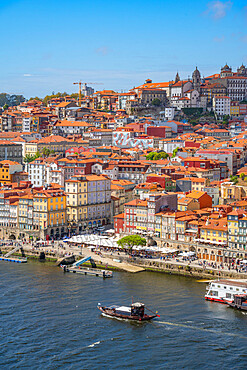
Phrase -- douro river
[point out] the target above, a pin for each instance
(50, 320)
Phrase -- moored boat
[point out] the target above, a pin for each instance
(134, 312)
(223, 290)
(239, 302)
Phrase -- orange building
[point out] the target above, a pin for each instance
(7, 169)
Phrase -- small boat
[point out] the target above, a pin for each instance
(135, 312)
(239, 302)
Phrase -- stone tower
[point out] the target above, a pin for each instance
(177, 78)
(196, 79)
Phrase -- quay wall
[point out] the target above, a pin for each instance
(161, 266)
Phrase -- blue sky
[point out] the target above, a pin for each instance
(48, 45)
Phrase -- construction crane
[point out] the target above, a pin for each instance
(80, 83)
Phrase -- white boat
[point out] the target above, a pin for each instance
(223, 290)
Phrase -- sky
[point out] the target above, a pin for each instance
(48, 45)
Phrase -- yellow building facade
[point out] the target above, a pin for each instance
(50, 211)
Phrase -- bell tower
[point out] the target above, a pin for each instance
(177, 78)
(196, 79)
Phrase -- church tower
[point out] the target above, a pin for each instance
(177, 78)
(196, 79)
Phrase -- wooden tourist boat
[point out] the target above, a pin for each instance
(135, 312)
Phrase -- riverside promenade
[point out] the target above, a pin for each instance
(121, 261)
(58, 252)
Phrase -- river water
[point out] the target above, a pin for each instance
(49, 320)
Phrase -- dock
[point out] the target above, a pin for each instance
(14, 259)
(88, 271)
(113, 262)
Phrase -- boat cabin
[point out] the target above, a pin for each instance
(137, 309)
(240, 299)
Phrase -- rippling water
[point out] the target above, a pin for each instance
(49, 320)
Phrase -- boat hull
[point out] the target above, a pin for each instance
(110, 313)
(219, 300)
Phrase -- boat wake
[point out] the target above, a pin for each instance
(201, 329)
(94, 344)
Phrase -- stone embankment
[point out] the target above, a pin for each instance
(134, 265)
(186, 269)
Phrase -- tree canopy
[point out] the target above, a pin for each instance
(154, 156)
(30, 158)
(10, 100)
(57, 95)
(131, 240)
(234, 179)
(192, 111)
(46, 152)
(156, 102)
(174, 153)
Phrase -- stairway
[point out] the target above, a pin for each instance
(13, 251)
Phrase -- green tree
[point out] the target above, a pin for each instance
(57, 95)
(30, 158)
(154, 156)
(156, 102)
(242, 175)
(226, 120)
(234, 179)
(11, 100)
(174, 153)
(46, 152)
(131, 240)
(150, 156)
(36, 98)
(75, 96)
(5, 106)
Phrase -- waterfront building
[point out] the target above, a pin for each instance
(26, 221)
(88, 201)
(140, 214)
(50, 214)
(237, 230)
(214, 231)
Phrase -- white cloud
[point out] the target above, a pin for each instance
(103, 50)
(219, 39)
(217, 9)
(27, 75)
(244, 38)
